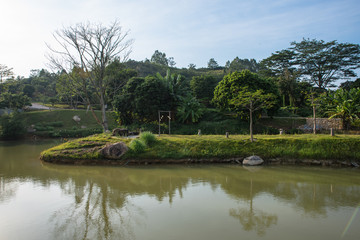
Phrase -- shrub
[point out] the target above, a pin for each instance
(148, 138)
(12, 126)
(137, 146)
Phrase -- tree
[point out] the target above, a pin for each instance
(280, 66)
(350, 84)
(212, 64)
(117, 75)
(241, 64)
(14, 101)
(319, 62)
(5, 72)
(192, 66)
(12, 126)
(89, 49)
(171, 61)
(228, 88)
(343, 104)
(252, 101)
(141, 100)
(159, 58)
(189, 110)
(176, 85)
(203, 87)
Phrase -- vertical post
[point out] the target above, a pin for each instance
(169, 120)
(227, 134)
(159, 121)
(314, 112)
(332, 132)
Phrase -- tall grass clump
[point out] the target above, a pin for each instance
(148, 138)
(137, 146)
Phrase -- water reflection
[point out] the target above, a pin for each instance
(97, 212)
(101, 200)
(252, 218)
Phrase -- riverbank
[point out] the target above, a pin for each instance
(340, 150)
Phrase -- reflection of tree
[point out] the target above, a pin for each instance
(97, 212)
(7, 189)
(253, 219)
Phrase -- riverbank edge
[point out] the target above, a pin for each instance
(230, 161)
(341, 151)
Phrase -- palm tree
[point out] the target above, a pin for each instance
(344, 104)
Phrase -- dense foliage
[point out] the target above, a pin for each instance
(137, 90)
(228, 89)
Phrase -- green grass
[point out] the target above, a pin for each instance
(306, 146)
(60, 123)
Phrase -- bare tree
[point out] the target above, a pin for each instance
(83, 52)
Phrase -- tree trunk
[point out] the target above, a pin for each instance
(104, 122)
(251, 124)
(314, 113)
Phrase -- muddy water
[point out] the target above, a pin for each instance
(44, 201)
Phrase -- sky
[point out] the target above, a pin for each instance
(190, 31)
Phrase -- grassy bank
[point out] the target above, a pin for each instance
(60, 123)
(176, 147)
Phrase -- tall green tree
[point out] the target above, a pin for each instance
(141, 100)
(242, 64)
(228, 88)
(159, 58)
(317, 61)
(212, 64)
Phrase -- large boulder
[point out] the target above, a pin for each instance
(253, 161)
(114, 151)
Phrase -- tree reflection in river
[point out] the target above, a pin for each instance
(253, 219)
(8, 189)
(98, 202)
(98, 212)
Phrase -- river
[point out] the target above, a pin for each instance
(44, 201)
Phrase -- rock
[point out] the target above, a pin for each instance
(120, 132)
(76, 118)
(31, 129)
(114, 151)
(253, 161)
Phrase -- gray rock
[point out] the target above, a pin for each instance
(253, 161)
(114, 151)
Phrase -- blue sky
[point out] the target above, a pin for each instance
(191, 31)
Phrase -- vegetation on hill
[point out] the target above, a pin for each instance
(198, 98)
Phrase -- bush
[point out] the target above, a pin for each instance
(137, 146)
(148, 138)
(12, 126)
(295, 131)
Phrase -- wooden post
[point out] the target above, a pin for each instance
(199, 132)
(227, 134)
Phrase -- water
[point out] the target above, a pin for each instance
(44, 201)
